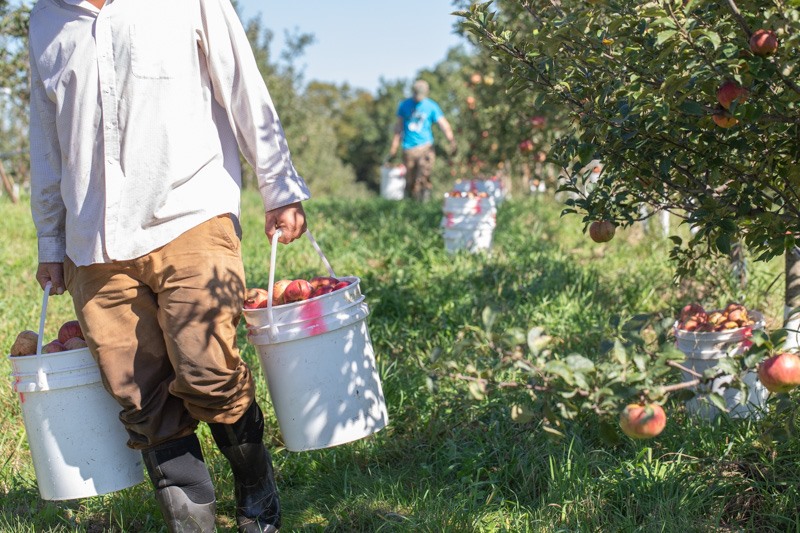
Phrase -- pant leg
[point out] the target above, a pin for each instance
(118, 316)
(163, 329)
(410, 162)
(200, 283)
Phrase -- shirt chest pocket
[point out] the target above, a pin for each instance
(156, 50)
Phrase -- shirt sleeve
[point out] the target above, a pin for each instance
(436, 112)
(47, 205)
(240, 89)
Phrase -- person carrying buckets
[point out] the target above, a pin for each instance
(138, 112)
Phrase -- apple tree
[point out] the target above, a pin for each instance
(692, 106)
(686, 114)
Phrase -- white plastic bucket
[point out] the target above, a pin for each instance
(393, 182)
(468, 224)
(492, 186)
(77, 442)
(319, 362)
(703, 350)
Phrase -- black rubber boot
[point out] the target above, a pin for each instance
(258, 508)
(184, 490)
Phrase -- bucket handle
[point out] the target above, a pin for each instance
(41, 376)
(273, 329)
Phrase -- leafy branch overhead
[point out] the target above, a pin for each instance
(637, 86)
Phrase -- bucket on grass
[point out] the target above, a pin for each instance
(393, 182)
(77, 442)
(318, 359)
(704, 350)
(468, 223)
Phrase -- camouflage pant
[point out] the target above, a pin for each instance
(419, 165)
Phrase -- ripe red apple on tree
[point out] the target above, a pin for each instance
(602, 230)
(724, 119)
(642, 421)
(471, 102)
(526, 146)
(730, 92)
(763, 42)
(780, 373)
(476, 78)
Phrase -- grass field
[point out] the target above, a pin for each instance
(449, 462)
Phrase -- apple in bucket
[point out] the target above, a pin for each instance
(69, 330)
(25, 343)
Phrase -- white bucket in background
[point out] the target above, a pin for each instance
(703, 350)
(320, 369)
(393, 182)
(77, 441)
(468, 224)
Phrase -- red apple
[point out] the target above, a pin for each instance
(763, 42)
(341, 285)
(471, 102)
(538, 121)
(68, 330)
(319, 291)
(25, 343)
(323, 281)
(730, 92)
(723, 119)
(602, 230)
(693, 310)
(278, 288)
(780, 373)
(475, 79)
(297, 290)
(255, 298)
(642, 421)
(53, 347)
(526, 146)
(75, 343)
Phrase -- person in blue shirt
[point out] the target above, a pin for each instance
(415, 119)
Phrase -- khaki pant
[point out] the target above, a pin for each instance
(419, 163)
(163, 330)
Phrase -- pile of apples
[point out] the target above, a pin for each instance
(695, 318)
(70, 337)
(286, 291)
(466, 194)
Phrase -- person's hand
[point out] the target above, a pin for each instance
(54, 273)
(291, 219)
(453, 148)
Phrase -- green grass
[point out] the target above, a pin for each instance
(448, 462)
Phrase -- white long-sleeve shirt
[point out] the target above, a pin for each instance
(138, 113)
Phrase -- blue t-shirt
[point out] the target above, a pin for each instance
(418, 119)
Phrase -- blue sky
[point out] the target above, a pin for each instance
(360, 41)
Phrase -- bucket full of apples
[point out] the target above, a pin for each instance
(709, 336)
(315, 350)
(468, 221)
(78, 445)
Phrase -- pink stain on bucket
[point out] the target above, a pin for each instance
(312, 312)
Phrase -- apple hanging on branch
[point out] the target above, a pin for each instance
(780, 372)
(763, 42)
(602, 230)
(642, 421)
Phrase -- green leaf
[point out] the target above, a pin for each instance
(489, 316)
(664, 36)
(579, 363)
(718, 401)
